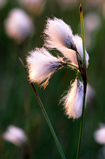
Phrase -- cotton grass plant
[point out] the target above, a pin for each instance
(42, 65)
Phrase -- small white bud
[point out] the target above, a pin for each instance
(18, 25)
(42, 65)
(73, 101)
(99, 135)
(15, 135)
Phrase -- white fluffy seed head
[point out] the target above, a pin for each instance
(42, 65)
(15, 135)
(99, 135)
(59, 35)
(73, 101)
(18, 25)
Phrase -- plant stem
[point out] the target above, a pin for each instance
(84, 77)
(82, 32)
(81, 129)
(45, 115)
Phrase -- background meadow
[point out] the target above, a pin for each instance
(18, 104)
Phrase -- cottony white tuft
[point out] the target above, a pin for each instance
(15, 135)
(99, 135)
(59, 35)
(73, 101)
(42, 65)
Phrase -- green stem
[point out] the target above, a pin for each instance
(84, 77)
(82, 32)
(45, 115)
(81, 128)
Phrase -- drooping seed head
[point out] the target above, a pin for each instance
(41, 65)
(73, 101)
(59, 35)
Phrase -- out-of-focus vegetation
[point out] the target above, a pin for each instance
(18, 104)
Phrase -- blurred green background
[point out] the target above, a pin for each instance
(18, 104)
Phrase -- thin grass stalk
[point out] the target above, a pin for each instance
(45, 115)
(81, 129)
(82, 33)
(84, 77)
